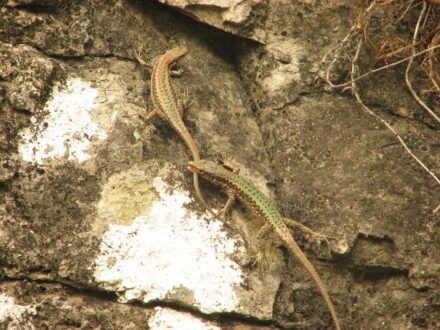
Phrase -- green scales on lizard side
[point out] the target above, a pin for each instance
(266, 210)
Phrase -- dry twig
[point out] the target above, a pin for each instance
(348, 83)
(383, 121)
(408, 68)
(361, 27)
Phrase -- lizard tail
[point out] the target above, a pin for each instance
(199, 194)
(291, 245)
(196, 157)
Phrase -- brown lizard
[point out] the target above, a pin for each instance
(169, 108)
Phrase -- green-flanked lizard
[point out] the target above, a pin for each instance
(266, 210)
(169, 108)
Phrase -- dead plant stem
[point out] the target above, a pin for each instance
(408, 68)
(383, 121)
(348, 83)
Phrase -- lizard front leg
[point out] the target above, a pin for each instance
(148, 117)
(229, 202)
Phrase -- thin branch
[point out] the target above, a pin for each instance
(384, 122)
(427, 15)
(348, 83)
(405, 12)
(397, 51)
(338, 49)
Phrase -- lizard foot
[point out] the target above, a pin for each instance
(186, 101)
(137, 55)
(316, 236)
(260, 260)
(176, 72)
(319, 237)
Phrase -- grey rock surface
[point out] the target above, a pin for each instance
(244, 18)
(368, 193)
(98, 222)
(27, 76)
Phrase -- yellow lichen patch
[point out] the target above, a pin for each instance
(125, 196)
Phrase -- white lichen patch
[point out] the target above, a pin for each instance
(68, 129)
(170, 253)
(166, 318)
(14, 316)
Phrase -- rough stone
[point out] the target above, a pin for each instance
(98, 222)
(242, 18)
(26, 75)
(343, 172)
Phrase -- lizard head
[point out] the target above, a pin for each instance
(210, 170)
(177, 53)
(203, 167)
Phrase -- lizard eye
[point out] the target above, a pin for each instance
(228, 167)
(225, 164)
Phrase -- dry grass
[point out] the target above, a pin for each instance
(401, 41)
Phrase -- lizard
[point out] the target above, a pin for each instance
(169, 108)
(266, 210)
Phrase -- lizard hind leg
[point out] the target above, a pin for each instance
(318, 237)
(260, 257)
(185, 102)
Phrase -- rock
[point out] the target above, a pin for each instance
(26, 74)
(242, 18)
(98, 222)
